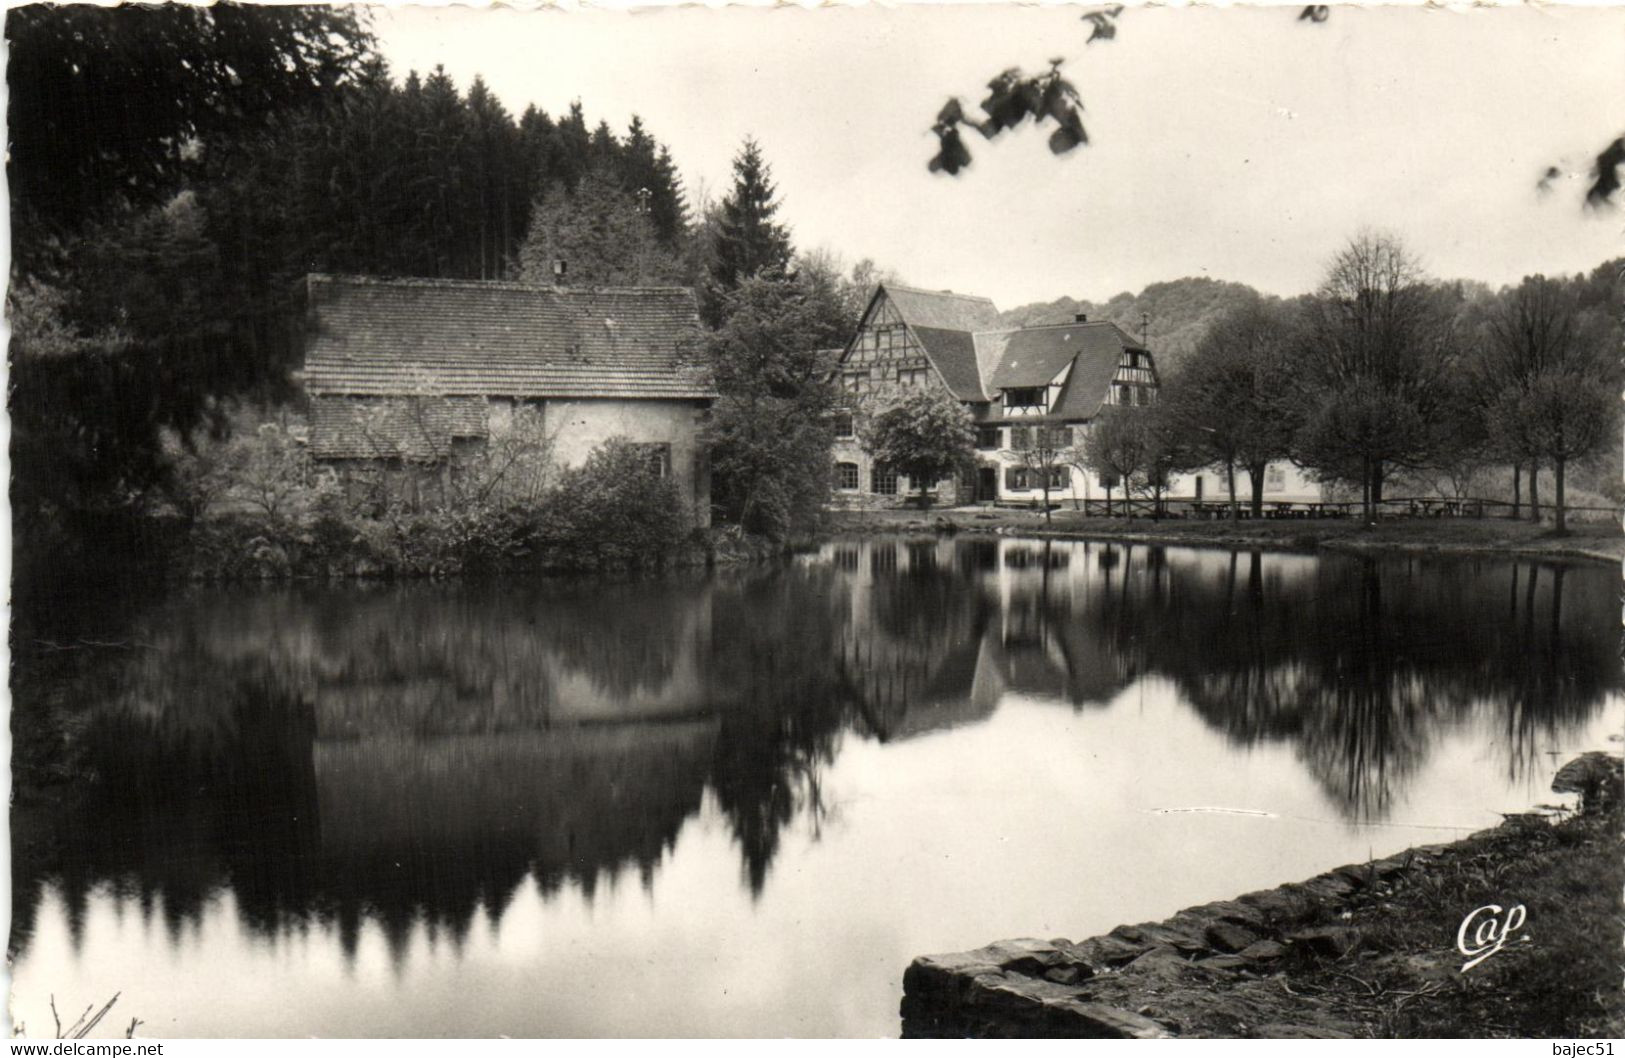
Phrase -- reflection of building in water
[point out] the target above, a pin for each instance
(939, 632)
(418, 753)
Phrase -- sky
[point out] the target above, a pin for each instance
(1235, 143)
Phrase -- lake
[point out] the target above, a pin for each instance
(739, 802)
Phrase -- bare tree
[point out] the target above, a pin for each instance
(1378, 350)
(1550, 382)
(1042, 450)
(1233, 397)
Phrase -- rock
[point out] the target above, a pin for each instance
(1595, 776)
(1224, 962)
(1067, 975)
(1279, 905)
(1263, 950)
(1073, 1017)
(1229, 937)
(1329, 942)
(1111, 950)
(1173, 937)
(1235, 911)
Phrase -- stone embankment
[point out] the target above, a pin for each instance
(1230, 963)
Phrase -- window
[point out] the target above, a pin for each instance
(842, 421)
(987, 438)
(1016, 479)
(854, 381)
(1055, 437)
(1060, 479)
(1025, 397)
(1122, 392)
(883, 480)
(1021, 438)
(846, 477)
(1108, 481)
(657, 458)
(1275, 478)
(915, 376)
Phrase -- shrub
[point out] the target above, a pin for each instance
(614, 511)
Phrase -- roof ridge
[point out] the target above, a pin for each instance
(486, 284)
(937, 293)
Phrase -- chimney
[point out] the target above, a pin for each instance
(559, 268)
(1080, 317)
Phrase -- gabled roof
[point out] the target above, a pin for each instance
(954, 354)
(943, 309)
(1032, 356)
(394, 337)
(944, 322)
(977, 358)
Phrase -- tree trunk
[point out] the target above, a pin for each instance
(1534, 492)
(1256, 473)
(1562, 514)
(1517, 491)
(1365, 491)
(1230, 475)
(1046, 500)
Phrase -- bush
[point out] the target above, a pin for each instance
(613, 512)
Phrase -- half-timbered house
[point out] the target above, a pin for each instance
(1029, 389)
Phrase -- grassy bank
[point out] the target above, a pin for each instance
(1598, 540)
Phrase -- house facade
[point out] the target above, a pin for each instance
(408, 378)
(1030, 390)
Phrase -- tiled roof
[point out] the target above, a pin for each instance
(1089, 384)
(954, 353)
(942, 309)
(410, 428)
(465, 338)
(977, 358)
(1032, 356)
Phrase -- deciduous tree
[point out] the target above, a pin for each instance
(921, 431)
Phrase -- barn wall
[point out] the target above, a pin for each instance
(577, 427)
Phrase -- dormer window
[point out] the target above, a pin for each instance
(1025, 397)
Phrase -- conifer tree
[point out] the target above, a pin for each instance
(748, 241)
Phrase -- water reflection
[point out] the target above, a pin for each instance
(413, 755)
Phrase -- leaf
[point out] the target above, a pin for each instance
(1071, 133)
(1605, 174)
(952, 155)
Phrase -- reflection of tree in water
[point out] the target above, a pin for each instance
(784, 707)
(411, 756)
(1360, 662)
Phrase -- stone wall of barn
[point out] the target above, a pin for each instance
(578, 426)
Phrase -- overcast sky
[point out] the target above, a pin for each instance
(1238, 144)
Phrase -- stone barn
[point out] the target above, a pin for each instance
(408, 379)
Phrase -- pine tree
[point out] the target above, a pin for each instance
(748, 241)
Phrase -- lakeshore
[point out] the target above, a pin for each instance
(1363, 951)
(1598, 541)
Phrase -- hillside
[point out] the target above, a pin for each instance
(1179, 313)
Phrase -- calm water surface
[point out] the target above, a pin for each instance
(738, 804)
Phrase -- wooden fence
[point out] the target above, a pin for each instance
(1393, 508)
